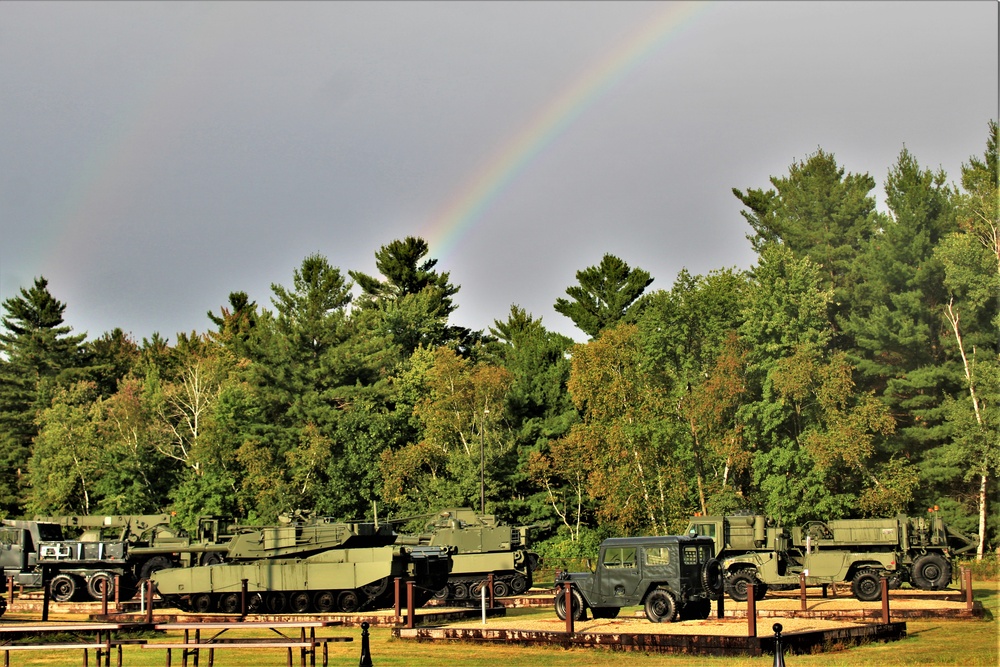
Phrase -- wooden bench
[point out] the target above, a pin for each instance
(306, 647)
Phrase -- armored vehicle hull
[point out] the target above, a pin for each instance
(336, 580)
(480, 546)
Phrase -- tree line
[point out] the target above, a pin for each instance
(852, 371)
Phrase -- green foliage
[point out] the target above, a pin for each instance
(606, 295)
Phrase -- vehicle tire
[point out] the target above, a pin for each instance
(661, 607)
(738, 582)
(211, 558)
(931, 572)
(64, 587)
(154, 565)
(325, 602)
(230, 603)
(576, 603)
(299, 602)
(500, 589)
(348, 602)
(867, 585)
(518, 583)
(713, 578)
(98, 581)
(201, 603)
(460, 592)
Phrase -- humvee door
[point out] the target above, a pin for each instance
(619, 575)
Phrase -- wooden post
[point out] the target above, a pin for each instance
(118, 588)
(10, 590)
(103, 583)
(149, 602)
(885, 600)
(568, 600)
(751, 611)
(967, 577)
(410, 610)
(46, 594)
(802, 590)
(399, 603)
(720, 604)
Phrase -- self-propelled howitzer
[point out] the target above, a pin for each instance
(315, 566)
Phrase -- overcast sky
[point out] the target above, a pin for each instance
(156, 156)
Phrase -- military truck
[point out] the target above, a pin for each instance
(83, 565)
(481, 545)
(316, 566)
(671, 576)
(757, 551)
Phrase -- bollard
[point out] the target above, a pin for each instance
(399, 603)
(751, 610)
(411, 612)
(568, 599)
(243, 599)
(885, 600)
(779, 648)
(482, 597)
(967, 577)
(366, 656)
(103, 583)
(149, 602)
(802, 590)
(720, 604)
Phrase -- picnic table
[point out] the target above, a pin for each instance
(195, 642)
(97, 637)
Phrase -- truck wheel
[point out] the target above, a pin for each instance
(576, 604)
(154, 565)
(740, 580)
(63, 587)
(100, 580)
(867, 586)
(661, 606)
(713, 578)
(931, 572)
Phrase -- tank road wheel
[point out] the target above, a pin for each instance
(375, 590)
(230, 603)
(442, 593)
(931, 572)
(324, 601)
(500, 589)
(740, 580)
(201, 603)
(274, 602)
(661, 607)
(255, 602)
(154, 565)
(460, 592)
(104, 580)
(299, 602)
(63, 587)
(576, 605)
(518, 583)
(867, 586)
(348, 602)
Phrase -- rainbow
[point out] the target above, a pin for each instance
(472, 200)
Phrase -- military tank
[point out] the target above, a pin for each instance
(480, 546)
(317, 565)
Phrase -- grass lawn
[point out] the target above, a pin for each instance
(929, 642)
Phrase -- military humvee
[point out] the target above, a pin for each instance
(671, 576)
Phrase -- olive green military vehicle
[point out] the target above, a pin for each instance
(314, 566)
(757, 551)
(79, 564)
(673, 577)
(480, 545)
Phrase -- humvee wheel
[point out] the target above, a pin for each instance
(931, 572)
(299, 602)
(867, 586)
(348, 602)
(660, 606)
(63, 587)
(740, 580)
(576, 604)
